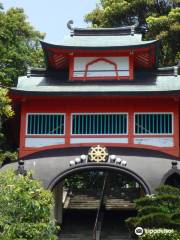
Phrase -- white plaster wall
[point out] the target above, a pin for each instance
(43, 142)
(98, 140)
(155, 141)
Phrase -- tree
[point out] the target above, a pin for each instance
(161, 210)
(167, 29)
(5, 107)
(19, 46)
(5, 112)
(161, 16)
(26, 208)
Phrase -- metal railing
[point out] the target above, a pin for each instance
(100, 213)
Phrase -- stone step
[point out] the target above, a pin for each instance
(85, 200)
(116, 238)
(89, 202)
(74, 237)
(87, 237)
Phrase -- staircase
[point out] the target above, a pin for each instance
(119, 204)
(92, 202)
(114, 227)
(83, 202)
(77, 225)
(80, 214)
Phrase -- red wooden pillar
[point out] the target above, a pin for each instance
(131, 126)
(67, 128)
(131, 65)
(22, 129)
(176, 127)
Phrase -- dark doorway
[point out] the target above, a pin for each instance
(173, 180)
(99, 202)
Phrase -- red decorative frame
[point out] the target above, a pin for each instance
(101, 60)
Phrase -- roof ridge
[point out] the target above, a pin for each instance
(124, 30)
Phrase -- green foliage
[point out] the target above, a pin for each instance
(85, 181)
(167, 29)
(5, 107)
(160, 234)
(162, 17)
(92, 181)
(19, 45)
(26, 209)
(5, 112)
(151, 209)
(11, 156)
(122, 12)
(176, 217)
(160, 210)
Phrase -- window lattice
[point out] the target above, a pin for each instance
(86, 124)
(153, 123)
(45, 124)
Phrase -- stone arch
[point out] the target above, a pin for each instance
(101, 166)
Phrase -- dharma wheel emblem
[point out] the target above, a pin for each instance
(98, 154)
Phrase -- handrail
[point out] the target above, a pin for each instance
(99, 216)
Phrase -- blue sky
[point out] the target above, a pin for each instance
(52, 16)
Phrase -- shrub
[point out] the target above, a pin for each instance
(160, 234)
(7, 157)
(26, 209)
(176, 217)
(151, 209)
(161, 210)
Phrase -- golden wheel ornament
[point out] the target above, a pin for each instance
(98, 154)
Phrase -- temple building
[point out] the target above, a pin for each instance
(102, 104)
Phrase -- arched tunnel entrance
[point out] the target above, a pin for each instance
(95, 200)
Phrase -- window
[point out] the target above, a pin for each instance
(99, 123)
(45, 124)
(153, 123)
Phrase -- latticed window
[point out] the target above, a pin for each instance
(99, 123)
(46, 124)
(153, 123)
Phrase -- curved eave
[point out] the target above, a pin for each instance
(22, 93)
(46, 45)
(57, 56)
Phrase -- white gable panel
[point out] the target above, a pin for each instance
(102, 67)
(101, 74)
(122, 62)
(81, 62)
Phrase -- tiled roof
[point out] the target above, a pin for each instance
(149, 82)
